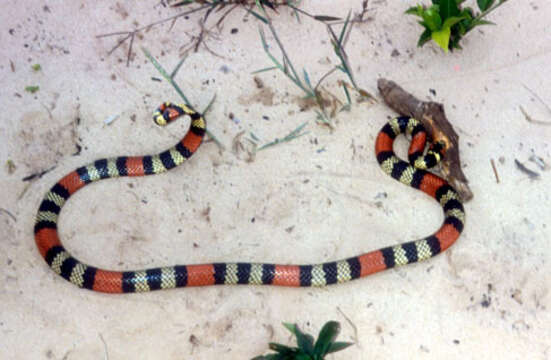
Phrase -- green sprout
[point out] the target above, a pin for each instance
(446, 22)
(307, 349)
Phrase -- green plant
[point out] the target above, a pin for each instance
(285, 65)
(446, 21)
(307, 349)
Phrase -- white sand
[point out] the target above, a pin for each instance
(312, 199)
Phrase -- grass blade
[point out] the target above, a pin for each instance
(168, 78)
(265, 69)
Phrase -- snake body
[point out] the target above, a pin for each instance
(90, 277)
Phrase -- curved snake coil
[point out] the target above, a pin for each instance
(89, 277)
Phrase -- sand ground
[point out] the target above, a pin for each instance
(316, 198)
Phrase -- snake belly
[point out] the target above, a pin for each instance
(102, 280)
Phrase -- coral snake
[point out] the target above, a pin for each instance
(412, 174)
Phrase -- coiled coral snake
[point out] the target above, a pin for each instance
(89, 277)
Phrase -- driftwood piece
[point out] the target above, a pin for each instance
(432, 115)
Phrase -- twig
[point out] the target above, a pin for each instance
(118, 44)
(531, 174)
(156, 22)
(130, 50)
(225, 14)
(236, 142)
(196, 40)
(537, 97)
(105, 353)
(364, 10)
(323, 78)
(202, 27)
(531, 119)
(37, 175)
(495, 170)
(539, 162)
(5, 211)
(130, 34)
(356, 339)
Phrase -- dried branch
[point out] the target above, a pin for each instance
(132, 33)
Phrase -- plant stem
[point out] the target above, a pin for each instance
(487, 12)
(495, 6)
(291, 136)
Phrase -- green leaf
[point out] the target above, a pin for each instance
(415, 10)
(484, 5)
(269, 357)
(282, 349)
(477, 22)
(466, 13)
(448, 8)
(327, 335)
(338, 346)
(466, 24)
(291, 327)
(425, 36)
(462, 27)
(305, 342)
(451, 21)
(432, 19)
(442, 38)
